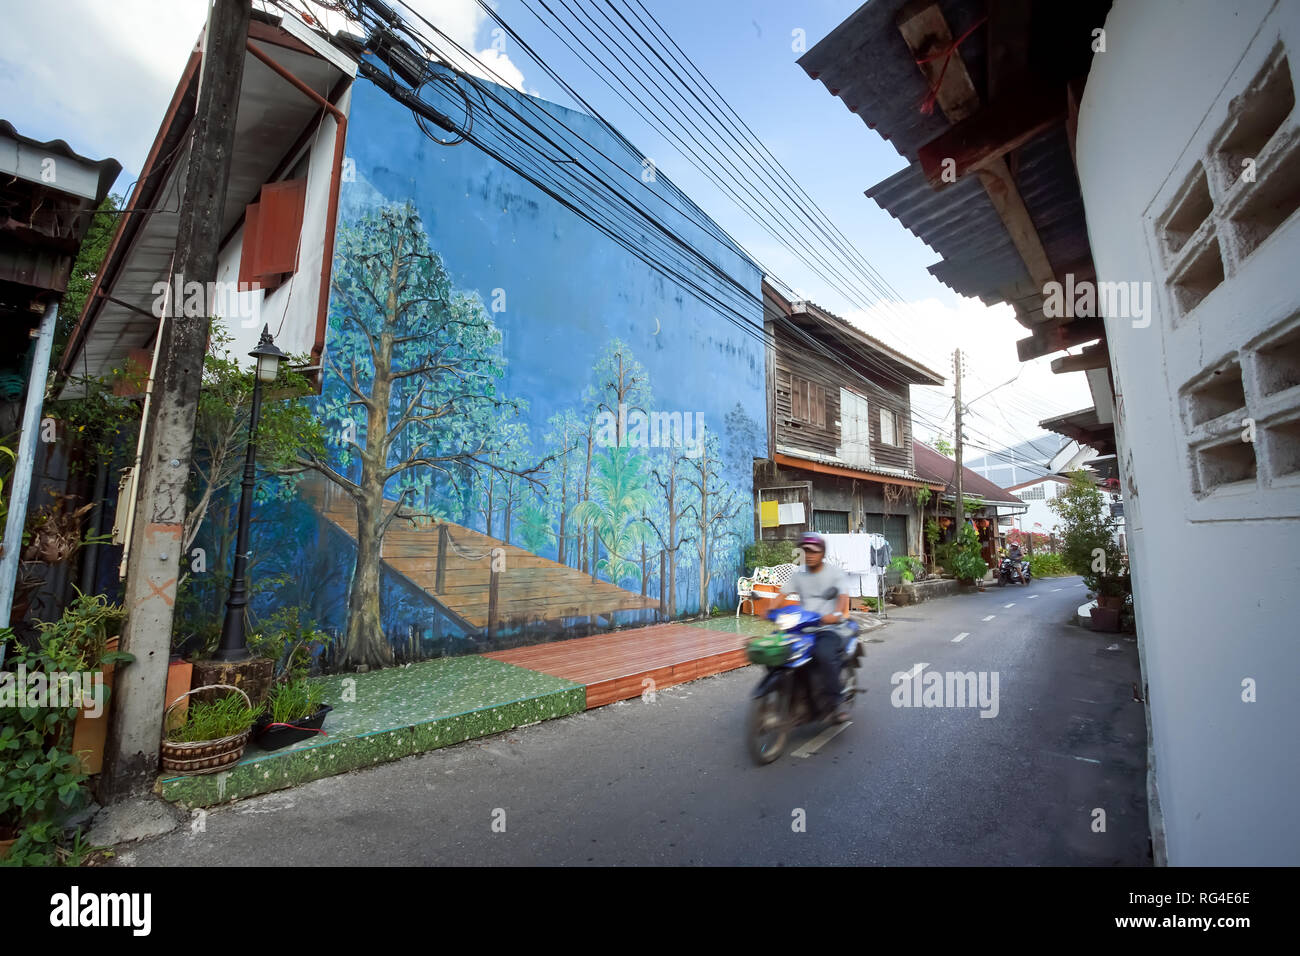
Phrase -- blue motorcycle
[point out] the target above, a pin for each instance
(786, 698)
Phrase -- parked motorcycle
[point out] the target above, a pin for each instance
(1008, 572)
(786, 698)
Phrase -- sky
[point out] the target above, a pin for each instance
(104, 86)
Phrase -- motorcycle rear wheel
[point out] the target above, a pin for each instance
(766, 728)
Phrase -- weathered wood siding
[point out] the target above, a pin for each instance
(800, 370)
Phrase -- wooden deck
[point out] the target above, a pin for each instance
(530, 588)
(614, 666)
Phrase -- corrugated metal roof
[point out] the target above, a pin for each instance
(867, 64)
(106, 170)
(933, 466)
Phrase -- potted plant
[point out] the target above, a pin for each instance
(84, 640)
(962, 558)
(213, 735)
(294, 711)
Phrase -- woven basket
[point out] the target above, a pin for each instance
(203, 756)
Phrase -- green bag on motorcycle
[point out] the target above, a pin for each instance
(771, 650)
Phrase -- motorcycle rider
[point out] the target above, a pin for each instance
(823, 589)
(1014, 554)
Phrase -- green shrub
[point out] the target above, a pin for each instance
(907, 566)
(1089, 546)
(41, 781)
(287, 637)
(1047, 565)
(961, 557)
(767, 554)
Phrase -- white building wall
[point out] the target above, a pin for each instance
(1037, 509)
(1216, 572)
(291, 309)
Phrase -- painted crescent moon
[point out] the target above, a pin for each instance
(656, 331)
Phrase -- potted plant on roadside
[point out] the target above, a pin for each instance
(213, 734)
(294, 711)
(84, 641)
(295, 708)
(1090, 549)
(962, 558)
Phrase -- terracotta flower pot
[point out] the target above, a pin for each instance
(179, 675)
(1105, 619)
(90, 733)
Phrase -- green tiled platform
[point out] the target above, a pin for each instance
(398, 712)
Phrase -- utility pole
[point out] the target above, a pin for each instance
(959, 507)
(131, 760)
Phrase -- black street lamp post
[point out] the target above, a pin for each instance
(232, 646)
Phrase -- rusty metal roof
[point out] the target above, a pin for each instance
(867, 64)
(941, 469)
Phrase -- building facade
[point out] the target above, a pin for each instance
(839, 418)
(526, 428)
(1207, 398)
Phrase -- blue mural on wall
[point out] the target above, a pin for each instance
(530, 429)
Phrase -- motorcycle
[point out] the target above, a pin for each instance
(786, 698)
(1008, 570)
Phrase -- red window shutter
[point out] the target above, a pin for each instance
(279, 230)
(248, 252)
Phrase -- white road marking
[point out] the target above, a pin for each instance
(961, 637)
(1056, 589)
(916, 669)
(816, 744)
(1012, 604)
(1073, 757)
(1032, 596)
(990, 617)
(1083, 700)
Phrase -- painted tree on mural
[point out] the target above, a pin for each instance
(618, 499)
(411, 391)
(614, 494)
(712, 509)
(566, 437)
(501, 489)
(666, 518)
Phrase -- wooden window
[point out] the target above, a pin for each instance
(855, 429)
(888, 427)
(807, 402)
(272, 233)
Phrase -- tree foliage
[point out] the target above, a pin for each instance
(1088, 544)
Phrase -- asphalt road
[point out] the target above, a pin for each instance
(670, 782)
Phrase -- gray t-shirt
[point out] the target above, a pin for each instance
(811, 588)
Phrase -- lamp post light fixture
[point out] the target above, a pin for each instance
(232, 646)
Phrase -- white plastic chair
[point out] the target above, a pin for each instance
(744, 592)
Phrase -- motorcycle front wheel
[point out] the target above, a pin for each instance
(767, 728)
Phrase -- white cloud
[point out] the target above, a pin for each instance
(929, 330)
(103, 80)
